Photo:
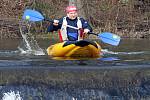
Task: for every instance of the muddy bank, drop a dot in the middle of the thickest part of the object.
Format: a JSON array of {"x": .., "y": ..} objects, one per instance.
[
  {"x": 124, "y": 18},
  {"x": 9, "y": 28}
]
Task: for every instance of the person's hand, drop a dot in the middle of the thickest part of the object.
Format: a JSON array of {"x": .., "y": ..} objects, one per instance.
[
  {"x": 56, "y": 22},
  {"x": 86, "y": 31}
]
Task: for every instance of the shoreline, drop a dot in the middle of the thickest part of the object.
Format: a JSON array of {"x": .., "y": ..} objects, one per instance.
[{"x": 10, "y": 29}]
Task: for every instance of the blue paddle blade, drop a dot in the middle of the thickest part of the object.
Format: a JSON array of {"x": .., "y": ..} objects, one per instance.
[
  {"x": 109, "y": 38},
  {"x": 32, "y": 15}
]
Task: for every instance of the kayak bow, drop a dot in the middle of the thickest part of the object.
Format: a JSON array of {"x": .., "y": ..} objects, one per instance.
[{"x": 82, "y": 48}]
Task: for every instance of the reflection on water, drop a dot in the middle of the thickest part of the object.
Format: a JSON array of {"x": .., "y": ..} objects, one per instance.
[{"x": 121, "y": 74}]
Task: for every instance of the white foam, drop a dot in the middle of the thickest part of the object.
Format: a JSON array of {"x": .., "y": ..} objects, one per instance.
[
  {"x": 106, "y": 51},
  {"x": 11, "y": 96}
]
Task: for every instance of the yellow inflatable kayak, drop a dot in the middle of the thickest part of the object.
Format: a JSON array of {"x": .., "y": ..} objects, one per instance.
[{"x": 82, "y": 48}]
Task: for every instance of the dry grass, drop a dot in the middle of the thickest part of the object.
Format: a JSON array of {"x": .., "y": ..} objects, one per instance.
[{"x": 130, "y": 18}]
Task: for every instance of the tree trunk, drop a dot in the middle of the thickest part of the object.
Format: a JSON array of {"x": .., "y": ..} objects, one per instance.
[
  {"x": 71, "y": 2},
  {"x": 80, "y": 8}
]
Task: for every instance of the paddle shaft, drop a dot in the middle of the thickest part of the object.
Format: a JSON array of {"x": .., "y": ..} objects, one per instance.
[
  {"x": 71, "y": 27},
  {"x": 62, "y": 24},
  {"x": 93, "y": 33}
]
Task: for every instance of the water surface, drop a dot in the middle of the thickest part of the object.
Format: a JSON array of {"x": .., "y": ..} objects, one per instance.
[{"x": 122, "y": 73}]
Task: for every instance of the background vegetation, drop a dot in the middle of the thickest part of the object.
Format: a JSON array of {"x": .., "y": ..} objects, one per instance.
[{"x": 127, "y": 18}]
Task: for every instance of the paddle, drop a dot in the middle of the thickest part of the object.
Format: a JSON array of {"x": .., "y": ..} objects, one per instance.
[
  {"x": 32, "y": 15},
  {"x": 106, "y": 37}
]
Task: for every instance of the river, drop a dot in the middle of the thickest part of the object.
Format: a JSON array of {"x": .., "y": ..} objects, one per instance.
[{"x": 27, "y": 73}]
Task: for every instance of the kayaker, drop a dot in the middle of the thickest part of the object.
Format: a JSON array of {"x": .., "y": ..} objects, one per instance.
[{"x": 71, "y": 27}]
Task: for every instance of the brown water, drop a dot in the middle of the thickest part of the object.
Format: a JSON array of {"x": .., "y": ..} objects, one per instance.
[{"x": 121, "y": 74}]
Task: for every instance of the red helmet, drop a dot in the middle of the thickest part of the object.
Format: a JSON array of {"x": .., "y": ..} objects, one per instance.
[{"x": 71, "y": 9}]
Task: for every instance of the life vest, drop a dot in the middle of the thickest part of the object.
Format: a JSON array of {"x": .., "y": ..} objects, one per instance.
[{"x": 63, "y": 31}]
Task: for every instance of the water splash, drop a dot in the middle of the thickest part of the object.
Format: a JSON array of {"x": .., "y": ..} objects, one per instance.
[
  {"x": 11, "y": 96},
  {"x": 106, "y": 51},
  {"x": 29, "y": 45}
]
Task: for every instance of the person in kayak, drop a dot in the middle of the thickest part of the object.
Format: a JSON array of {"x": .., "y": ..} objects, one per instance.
[{"x": 71, "y": 27}]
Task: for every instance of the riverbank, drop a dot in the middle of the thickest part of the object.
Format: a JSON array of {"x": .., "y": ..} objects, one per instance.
[
  {"x": 125, "y": 18},
  {"x": 10, "y": 28}
]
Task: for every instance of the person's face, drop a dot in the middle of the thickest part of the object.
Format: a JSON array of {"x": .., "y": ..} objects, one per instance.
[{"x": 72, "y": 15}]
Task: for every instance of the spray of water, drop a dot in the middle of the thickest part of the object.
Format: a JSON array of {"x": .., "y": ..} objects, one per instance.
[
  {"x": 29, "y": 44},
  {"x": 106, "y": 51}
]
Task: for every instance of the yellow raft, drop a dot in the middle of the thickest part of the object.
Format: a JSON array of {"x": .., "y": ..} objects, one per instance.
[{"x": 82, "y": 48}]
